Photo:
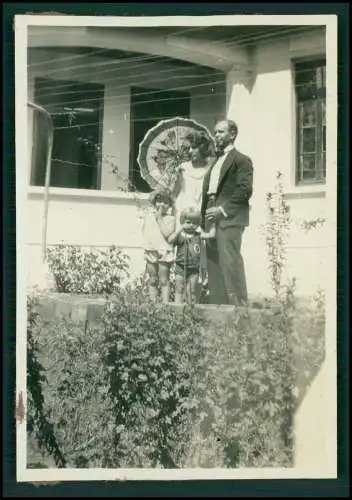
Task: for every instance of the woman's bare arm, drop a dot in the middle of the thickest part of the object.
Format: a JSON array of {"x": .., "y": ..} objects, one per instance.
[{"x": 173, "y": 237}]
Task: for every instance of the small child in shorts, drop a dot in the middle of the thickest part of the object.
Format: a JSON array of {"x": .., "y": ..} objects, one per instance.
[
  {"x": 158, "y": 225},
  {"x": 189, "y": 255}
]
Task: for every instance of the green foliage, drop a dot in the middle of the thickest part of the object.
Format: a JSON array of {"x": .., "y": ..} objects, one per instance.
[
  {"x": 277, "y": 229},
  {"x": 78, "y": 271},
  {"x": 38, "y": 421},
  {"x": 153, "y": 385},
  {"x": 150, "y": 352},
  {"x": 157, "y": 386},
  {"x": 308, "y": 225}
]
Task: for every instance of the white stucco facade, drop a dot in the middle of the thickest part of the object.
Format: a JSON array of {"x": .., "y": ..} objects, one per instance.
[{"x": 257, "y": 92}]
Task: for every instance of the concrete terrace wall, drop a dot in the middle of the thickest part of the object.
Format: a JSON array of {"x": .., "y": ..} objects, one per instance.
[{"x": 311, "y": 451}]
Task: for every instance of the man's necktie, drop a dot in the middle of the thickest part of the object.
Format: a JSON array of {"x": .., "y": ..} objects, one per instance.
[{"x": 219, "y": 153}]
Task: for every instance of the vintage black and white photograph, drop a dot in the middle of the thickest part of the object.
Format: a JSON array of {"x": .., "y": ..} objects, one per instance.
[{"x": 176, "y": 192}]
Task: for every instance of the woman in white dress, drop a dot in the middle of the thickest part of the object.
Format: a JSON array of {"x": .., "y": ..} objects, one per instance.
[{"x": 188, "y": 191}]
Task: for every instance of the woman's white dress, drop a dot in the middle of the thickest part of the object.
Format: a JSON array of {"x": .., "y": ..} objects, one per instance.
[{"x": 191, "y": 183}]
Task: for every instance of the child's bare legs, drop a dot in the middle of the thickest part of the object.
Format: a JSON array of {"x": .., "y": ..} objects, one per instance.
[
  {"x": 164, "y": 281},
  {"x": 179, "y": 288},
  {"x": 152, "y": 270},
  {"x": 192, "y": 284}
]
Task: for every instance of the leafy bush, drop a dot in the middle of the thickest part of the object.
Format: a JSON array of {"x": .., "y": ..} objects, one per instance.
[
  {"x": 75, "y": 387},
  {"x": 103, "y": 412},
  {"x": 38, "y": 420},
  {"x": 255, "y": 374},
  {"x": 277, "y": 229},
  {"x": 76, "y": 270},
  {"x": 150, "y": 351},
  {"x": 157, "y": 386}
]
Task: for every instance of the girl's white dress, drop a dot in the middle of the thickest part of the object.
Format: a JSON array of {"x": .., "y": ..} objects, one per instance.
[
  {"x": 156, "y": 248},
  {"x": 191, "y": 183}
]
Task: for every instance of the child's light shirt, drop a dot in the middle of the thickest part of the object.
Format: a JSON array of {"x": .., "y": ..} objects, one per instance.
[{"x": 153, "y": 238}]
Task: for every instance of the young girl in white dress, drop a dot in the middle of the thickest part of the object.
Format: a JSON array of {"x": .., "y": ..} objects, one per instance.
[{"x": 159, "y": 224}]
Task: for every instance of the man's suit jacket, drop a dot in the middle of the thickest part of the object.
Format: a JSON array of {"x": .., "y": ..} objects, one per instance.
[{"x": 234, "y": 189}]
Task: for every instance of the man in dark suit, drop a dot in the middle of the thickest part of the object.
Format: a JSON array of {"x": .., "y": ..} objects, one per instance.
[{"x": 227, "y": 189}]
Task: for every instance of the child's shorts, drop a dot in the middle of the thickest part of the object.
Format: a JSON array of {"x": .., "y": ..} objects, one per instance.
[
  {"x": 155, "y": 257},
  {"x": 189, "y": 271}
]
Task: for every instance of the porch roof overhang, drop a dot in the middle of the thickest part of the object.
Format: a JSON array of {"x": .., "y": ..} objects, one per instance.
[{"x": 200, "y": 52}]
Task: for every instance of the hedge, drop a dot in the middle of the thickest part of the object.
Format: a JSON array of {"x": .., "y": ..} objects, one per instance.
[{"x": 157, "y": 386}]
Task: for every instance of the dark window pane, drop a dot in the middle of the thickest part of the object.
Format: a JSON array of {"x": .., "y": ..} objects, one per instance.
[
  {"x": 308, "y": 167},
  {"x": 304, "y": 76},
  {"x": 306, "y": 92},
  {"x": 76, "y": 109},
  {"x": 323, "y": 112},
  {"x": 40, "y": 141},
  {"x": 310, "y": 80},
  {"x": 308, "y": 114},
  {"x": 321, "y": 93},
  {"x": 324, "y": 164},
  {"x": 324, "y": 76},
  {"x": 324, "y": 138},
  {"x": 308, "y": 140}
]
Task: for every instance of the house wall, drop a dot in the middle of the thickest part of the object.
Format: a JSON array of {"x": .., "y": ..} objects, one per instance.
[
  {"x": 260, "y": 99},
  {"x": 262, "y": 102},
  {"x": 207, "y": 96},
  {"x": 89, "y": 219},
  {"x": 97, "y": 219}
]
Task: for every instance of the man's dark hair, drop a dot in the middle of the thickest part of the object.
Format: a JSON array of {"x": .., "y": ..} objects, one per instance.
[{"x": 233, "y": 128}]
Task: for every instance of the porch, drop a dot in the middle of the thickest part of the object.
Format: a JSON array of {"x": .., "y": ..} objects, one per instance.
[{"x": 116, "y": 83}]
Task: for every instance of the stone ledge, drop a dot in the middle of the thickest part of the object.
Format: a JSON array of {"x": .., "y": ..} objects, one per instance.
[{"x": 81, "y": 308}]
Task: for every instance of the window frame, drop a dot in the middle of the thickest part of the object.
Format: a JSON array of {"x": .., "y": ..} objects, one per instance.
[
  {"x": 100, "y": 125},
  {"x": 317, "y": 62}
]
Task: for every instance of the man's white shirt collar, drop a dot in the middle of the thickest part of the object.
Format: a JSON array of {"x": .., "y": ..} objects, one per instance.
[
  {"x": 215, "y": 172},
  {"x": 229, "y": 148}
]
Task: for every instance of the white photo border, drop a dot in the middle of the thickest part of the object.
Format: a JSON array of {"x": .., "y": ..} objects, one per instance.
[{"x": 57, "y": 475}]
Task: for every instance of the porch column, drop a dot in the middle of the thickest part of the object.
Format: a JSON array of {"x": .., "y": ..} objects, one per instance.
[{"x": 239, "y": 106}]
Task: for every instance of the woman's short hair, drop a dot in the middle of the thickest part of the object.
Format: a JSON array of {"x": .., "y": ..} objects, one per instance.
[
  {"x": 161, "y": 195},
  {"x": 202, "y": 141},
  {"x": 192, "y": 214}
]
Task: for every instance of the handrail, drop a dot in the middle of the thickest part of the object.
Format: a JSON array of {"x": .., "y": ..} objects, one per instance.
[{"x": 42, "y": 110}]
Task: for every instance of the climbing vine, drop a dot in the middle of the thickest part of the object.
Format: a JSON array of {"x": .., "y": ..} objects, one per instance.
[{"x": 277, "y": 228}]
